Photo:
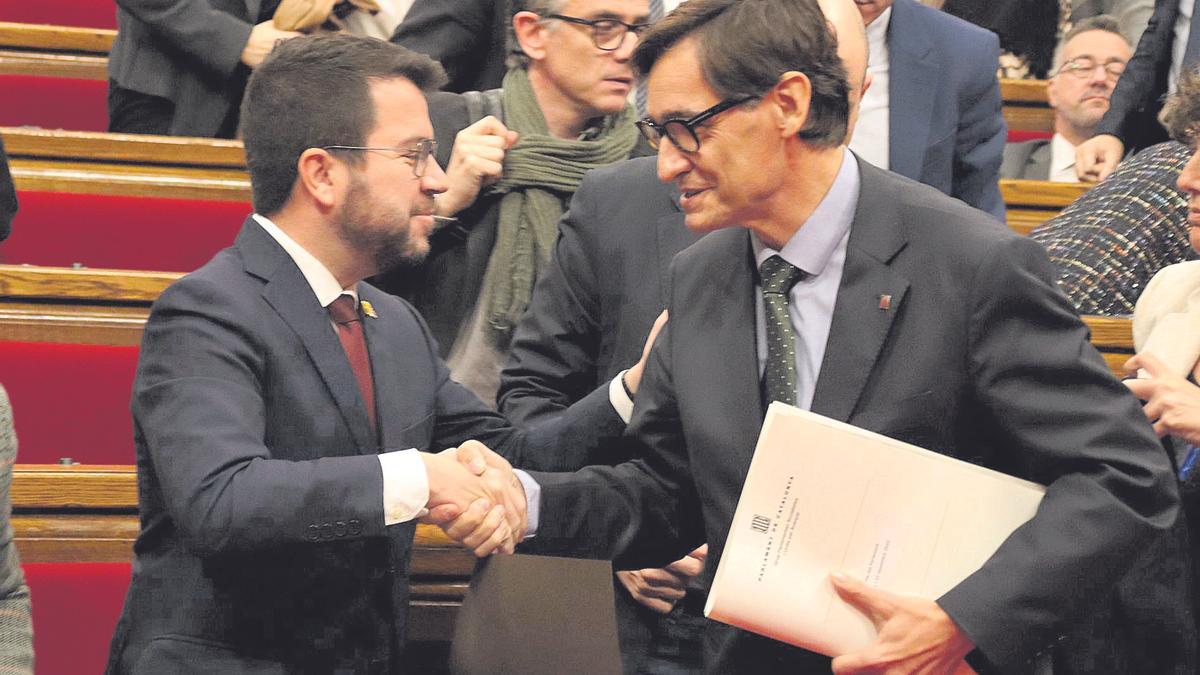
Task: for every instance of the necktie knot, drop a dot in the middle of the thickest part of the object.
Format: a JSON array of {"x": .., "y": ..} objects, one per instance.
[
  {"x": 344, "y": 309},
  {"x": 778, "y": 275}
]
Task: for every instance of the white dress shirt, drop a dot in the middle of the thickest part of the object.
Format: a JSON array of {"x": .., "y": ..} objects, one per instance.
[
  {"x": 1062, "y": 160},
  {"x": 871, "y": 136},
  {"x": 1183, "y": 29},
  {"x": 405, "y": 482}
]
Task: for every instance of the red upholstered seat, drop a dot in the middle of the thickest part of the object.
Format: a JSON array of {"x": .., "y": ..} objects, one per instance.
[
  {"x": 53, "y": 102},
  {"x": 75, "y": 609},
  {"x": 70, "y": 400},
  {"x": 82, "y": 13},
  {"x": 1019, "y": 136},
  {"x": 141, "y": 233}
]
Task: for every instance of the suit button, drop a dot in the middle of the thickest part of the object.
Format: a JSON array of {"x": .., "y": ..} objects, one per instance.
[
  {"x": 355, "y": 527},
  {"x": 314, "y": 532},
  {"x": 339, "y": 528},
  {"x": 327, "y": 531}
]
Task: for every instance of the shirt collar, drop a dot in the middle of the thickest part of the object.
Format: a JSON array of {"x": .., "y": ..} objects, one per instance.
[
  {"x": 877, "y": 33},
  {"x": 814, "y": 243},
  {"x": 324, "y": 285},
  {"x": 1062, "y": 154}
]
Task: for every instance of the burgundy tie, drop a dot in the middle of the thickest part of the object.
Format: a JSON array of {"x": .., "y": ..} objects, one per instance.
[{"x": 350, "y": 331}]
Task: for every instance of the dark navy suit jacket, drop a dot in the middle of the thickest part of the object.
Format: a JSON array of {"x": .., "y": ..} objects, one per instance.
[
  {"x": 945, "y": 123},
  {"x": 263, "y": 547}
]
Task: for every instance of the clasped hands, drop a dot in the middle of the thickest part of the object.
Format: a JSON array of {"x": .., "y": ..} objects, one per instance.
[{"x": 475, "y": 498}]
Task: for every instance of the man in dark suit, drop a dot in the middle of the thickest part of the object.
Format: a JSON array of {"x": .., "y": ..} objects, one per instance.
[
  {"x": 911, "y": 316},
  {"x": 1131, "y": 123},
  {"x": 468, "y": 37},
  {"x": 1087, "y": 66},
  {"x": 285, "y": 411},
  {"x": 933, "y": 112},
  {"x": 179, "y": 67},
  {"x": 8, "y": 195},
  {"x": 513, "y": 158}
]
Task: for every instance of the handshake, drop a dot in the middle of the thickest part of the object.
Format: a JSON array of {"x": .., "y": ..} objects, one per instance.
[{"x": 475, "y": 498}]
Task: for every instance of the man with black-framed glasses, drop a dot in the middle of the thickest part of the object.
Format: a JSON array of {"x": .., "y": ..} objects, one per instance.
[
  {"x": 825, "y": 282},
  {"x": 1088, "y": 62}
]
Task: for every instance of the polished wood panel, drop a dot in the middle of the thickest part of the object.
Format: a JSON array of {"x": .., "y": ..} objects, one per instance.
[
  {"x": 1041, "y": 193},
  {"x": 127, "y": 287},
  {"x": 45, "y": 37},
  {"x": 55, "y": 486},
  {"x": 127, "y": 148},
  {"x": 138, "y": 180},
  {"x": 72, "y": 323},
  {"x": 84, "y": 67},
  {"x": 1112, "y": 332},
  {"x": 1025, "y": 106}
]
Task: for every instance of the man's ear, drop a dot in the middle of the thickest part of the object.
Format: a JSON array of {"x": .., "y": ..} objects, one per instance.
[
  {"x": 531, "y": 34},
  {"x": 319, "y": 176},
  {"x": 792, "y": 96},
  {"x": 1051, "y": 92}
]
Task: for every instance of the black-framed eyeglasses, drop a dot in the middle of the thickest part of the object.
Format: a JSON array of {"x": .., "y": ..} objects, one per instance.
[
  {"x": 419, "y": 153},
  {"x": 607, "y": 34},
  {"x": 682, "y": 132},
  {"x": 1083, "y": 67}
]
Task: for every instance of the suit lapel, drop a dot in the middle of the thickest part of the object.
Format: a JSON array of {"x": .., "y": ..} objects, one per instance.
[
  {"x": 860, "y": 327},
  {"x": 671, "y": 237},
  {"x": 1039, "y": 162},
  {"x": 726, "y": 335},
  {"x": 912, "y": 84},
  {"x": 289, "y": 294}
]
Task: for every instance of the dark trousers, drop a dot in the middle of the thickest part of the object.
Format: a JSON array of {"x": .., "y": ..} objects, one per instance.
[{"x": 132, "y": 112}]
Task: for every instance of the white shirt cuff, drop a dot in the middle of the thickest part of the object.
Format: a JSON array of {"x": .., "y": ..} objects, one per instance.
[
  {"x": 619, "y": 399},
  {"x": 405, "y": 486},
  {"x": 533, "y": 502}
]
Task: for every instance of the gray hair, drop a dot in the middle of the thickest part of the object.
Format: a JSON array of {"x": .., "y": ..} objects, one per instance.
[
  {"x": 517, "y": 58},
  {"x": 1102, "y": 22}
]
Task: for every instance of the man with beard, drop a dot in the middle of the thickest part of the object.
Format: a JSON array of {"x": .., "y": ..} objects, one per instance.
[
  {"x": 284, "y": 410},
  {"x": 1087, "y": 66}
]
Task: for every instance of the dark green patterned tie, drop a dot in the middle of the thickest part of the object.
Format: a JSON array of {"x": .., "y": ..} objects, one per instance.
[{"x": 779, "y": 377}]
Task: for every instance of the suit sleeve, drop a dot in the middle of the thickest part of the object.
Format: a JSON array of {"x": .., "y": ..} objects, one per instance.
[
  {"x": 1135, "y": 89},
  {"x": 453, "y": 32},
  {"x": 553, "y": 355},
  {"x": 979, "y": 142},
  {"x": 212, "y": 40},
  {"x": 1069, "y": 424},
  {"x": 8, "y": 196},
  {"x": 199, "y": 410},
  {"x": 586, "y": 432},
  {"x": 642, "y": 513}
]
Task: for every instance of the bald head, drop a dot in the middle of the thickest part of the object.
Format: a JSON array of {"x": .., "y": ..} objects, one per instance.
[{"x": 851, "y": 35}]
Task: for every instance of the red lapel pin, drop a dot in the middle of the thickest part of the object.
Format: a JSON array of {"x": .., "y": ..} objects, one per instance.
[{"x": 885, "y": 302}]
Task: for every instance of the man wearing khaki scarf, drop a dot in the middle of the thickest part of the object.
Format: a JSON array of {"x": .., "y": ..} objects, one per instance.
[{"x": 514, "y": 157}]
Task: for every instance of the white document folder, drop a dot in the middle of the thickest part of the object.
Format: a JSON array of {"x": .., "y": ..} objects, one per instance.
[{"x": 822, "y": 496}]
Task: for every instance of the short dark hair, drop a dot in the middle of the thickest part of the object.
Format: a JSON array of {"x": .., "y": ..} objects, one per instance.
[
  {"x": 314, "y": 91},
  {"x": 1181, "y": 113},
  {"x": 746, "y": 45}
]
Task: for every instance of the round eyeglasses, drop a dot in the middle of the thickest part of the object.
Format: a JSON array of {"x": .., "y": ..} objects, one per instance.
[
  {"x": 682, "y": 132},
  {"x": 1083, "y": 67},
  {"x": 607, "y": 34},
  {"x": 419, "y": 154}
]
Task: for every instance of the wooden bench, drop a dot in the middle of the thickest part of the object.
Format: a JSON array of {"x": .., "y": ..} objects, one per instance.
[
  {"x": 1025, "y": 106},
  {"x": 1032, "y": 202},
  {"x": 75, "y": 527},
  {"x": 197, "y": 168}
]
